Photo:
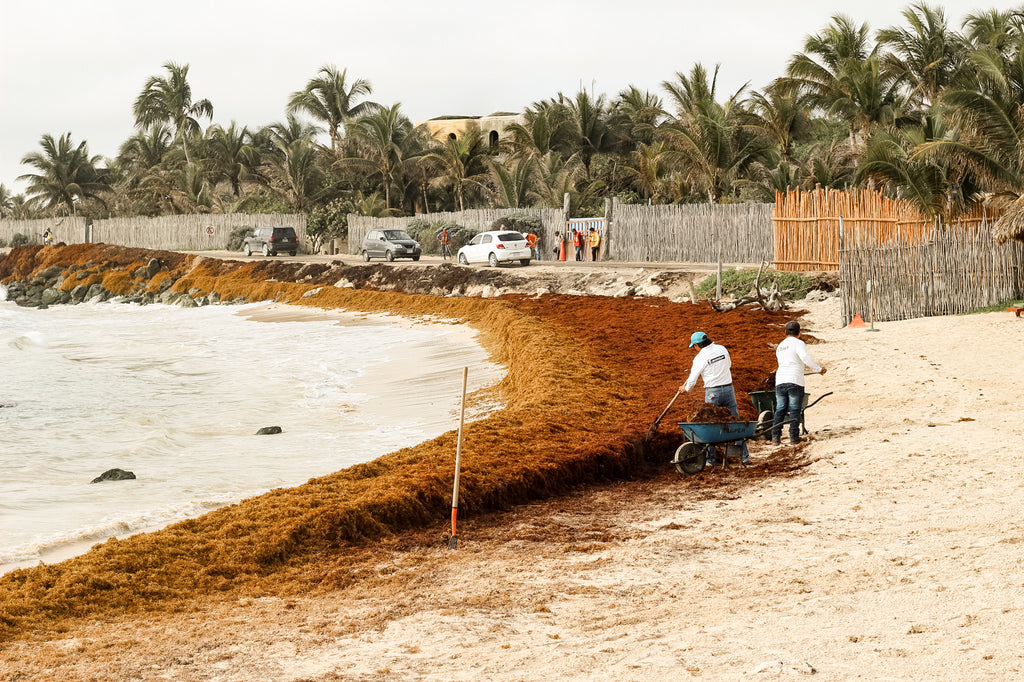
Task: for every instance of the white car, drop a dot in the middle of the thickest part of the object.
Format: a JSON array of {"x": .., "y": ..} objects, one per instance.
[{"x": 497, "y": 246}]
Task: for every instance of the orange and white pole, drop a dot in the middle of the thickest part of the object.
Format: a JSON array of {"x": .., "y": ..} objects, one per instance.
[{"x": 453, "y": 541}]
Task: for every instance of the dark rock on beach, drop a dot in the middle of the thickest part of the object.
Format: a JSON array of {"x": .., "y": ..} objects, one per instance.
[
  {"x": 114, "y": 475},
  {"x": 268, "y": 430}
]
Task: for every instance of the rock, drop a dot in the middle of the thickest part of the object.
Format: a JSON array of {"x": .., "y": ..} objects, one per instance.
[
  {"x": 186, "y": 302},
  {"x": 816, "y": 295},
  {"x": 79, "y": 293},
  {"x": 114, "y": 475},
  {"x": 213, "y": 298},
  {"x": 154, "y": 266},
  {"x": 269, "y": 431},
  {"x": 312, "y": 292},
  {"x": 50, "y": 296}
]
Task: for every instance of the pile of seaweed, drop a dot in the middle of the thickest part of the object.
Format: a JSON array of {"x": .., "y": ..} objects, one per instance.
[{"x": 586, "y": 378}]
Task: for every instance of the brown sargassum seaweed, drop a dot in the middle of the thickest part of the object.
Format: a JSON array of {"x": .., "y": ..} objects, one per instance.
[{"x": 586, "y": 378}]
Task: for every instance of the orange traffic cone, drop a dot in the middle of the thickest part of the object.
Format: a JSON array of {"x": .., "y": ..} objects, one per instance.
[{"x": 856, "y": 322}]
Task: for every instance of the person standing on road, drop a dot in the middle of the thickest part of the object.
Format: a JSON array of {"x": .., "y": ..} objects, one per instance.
[
  {"x": 532, "y": 241},
  {"x": 714, "y": 366},
  {"x": 595, "y": 243},
  {"x": 443, "y": 237},
  {"x": 577, "y": 241},
  {"x": 789, "y": 382}
]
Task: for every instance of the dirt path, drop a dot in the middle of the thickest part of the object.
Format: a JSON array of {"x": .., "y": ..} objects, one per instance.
[{"x": 887, "y": 548}]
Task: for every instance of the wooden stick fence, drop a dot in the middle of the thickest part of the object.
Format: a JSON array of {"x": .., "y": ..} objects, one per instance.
[
  {"x": 811, "y": 228},
  {"x": 955, "y": 271}
]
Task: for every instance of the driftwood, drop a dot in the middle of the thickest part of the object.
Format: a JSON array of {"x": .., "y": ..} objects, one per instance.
[{"x": 772, "y": 299}]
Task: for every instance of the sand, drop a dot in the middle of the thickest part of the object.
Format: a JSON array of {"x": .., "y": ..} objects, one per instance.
[{"x": 892, "y": 550}]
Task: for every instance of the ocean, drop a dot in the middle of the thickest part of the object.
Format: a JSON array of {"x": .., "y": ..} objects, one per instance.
[{"x": 176, "y": 397}]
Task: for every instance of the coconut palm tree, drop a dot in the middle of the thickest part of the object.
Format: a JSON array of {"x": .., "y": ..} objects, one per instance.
[
  {"x": 329, "y": 99},
  {"x": 6, "y": 201},
  {"x": 381, "y": 141},
  {"x": 169, "y": 100},
  {"x": 459, "y": 163},
  {"x": 640, "y": 112},
  {"x": 592, "y": 128},
  {"x": 647, "y": 169},
  {"x": 841, "y": 74},
  {"x": 67, "y": 174},
  {"x": 513, "y": 182},
  {"x": 293, "y": 173},
  {"x": 546, "y": 127},
  {"x": 780, "y": 115},
  {"x": 925, "y": 56},
  {"x": 707, "y": 140},
  {"x": 231, "y": 157}
]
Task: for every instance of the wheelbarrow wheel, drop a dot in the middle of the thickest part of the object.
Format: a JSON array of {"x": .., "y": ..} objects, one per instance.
[
  {"x": 689, "y": 458},
  {"x": 765, "y": 421}
]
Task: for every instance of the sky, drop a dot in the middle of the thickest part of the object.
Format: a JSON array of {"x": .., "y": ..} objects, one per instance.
[{"x": 72, "y": 66}]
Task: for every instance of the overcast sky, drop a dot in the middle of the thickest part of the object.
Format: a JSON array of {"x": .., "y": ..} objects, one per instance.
[{"x": 78, "y": 66}]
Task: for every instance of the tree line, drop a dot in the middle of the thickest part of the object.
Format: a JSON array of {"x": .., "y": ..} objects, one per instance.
[{"x": 923, "y": 110}]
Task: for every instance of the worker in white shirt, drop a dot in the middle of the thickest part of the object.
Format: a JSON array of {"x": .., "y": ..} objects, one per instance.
[
  {"x": 789, "y": 382},
  {"x": 713, "y": 365}
]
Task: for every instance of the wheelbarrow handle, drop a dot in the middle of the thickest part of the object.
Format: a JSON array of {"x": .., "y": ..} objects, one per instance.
[{"x": 770, "y": 426}]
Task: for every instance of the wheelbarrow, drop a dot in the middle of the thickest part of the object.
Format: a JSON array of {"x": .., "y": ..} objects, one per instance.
[{"x": 730, "y": 436}]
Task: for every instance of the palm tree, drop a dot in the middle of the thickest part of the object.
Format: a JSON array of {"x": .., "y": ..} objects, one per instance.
[
  {"x": 294, "y": 174},
  {"x": 169, "y": 100},
  {"x": 546, "y": 127},
  {"x": 513, "y": 182},
  {"x": 459, "y": 163},
  {"x": 842, "y": 76},
  {"x": 6, "y": 201},
  {"x": 330, "y": 100},
  {"x": 707, "y": 140},
  {"x": 780, "y": 115},
  {"x": 927, "y": 56},
  {"x": 641, "y": 113},
  {"x": 231, "y": 157},
  {"x": 380, "y": 142},
  {"x": 67, "y": 174},
  {"x": 592, "y": 127},
  {"x": 647, "y": 170}
]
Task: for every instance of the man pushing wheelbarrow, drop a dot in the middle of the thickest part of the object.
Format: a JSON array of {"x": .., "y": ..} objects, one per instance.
[{"x": 713, "y": 365}]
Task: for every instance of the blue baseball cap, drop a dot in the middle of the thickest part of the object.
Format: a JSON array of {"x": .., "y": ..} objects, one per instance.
[{"x": 697, "y": 337}]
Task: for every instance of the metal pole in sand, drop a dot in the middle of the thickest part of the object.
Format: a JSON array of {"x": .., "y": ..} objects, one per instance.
[
  {"x": 871, "y": 309},
  {"x": 453, "y": 541}
]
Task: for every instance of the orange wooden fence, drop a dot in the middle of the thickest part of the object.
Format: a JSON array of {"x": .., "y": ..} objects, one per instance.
[{"x": 811, "y": 227}]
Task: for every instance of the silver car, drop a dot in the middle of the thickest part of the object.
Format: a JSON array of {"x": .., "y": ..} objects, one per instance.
[
  {"x": 390, "y": 244},
  {"x": 496, "y": 246}
]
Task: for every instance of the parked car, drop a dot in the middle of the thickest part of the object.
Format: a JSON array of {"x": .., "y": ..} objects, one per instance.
[
  {"x": 271, "y": 241},
  {"x": 496, "y": 246},
  {"x": 390, "y": 244}
]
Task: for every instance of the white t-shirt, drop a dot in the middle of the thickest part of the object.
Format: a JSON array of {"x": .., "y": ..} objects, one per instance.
[
  {"x": 793, "y": 357},
  {"x": 712, "y": 363}
]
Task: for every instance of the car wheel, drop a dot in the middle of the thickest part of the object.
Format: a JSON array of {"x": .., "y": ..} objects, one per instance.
[
  {"x": 462, "y": 259},
  {"x": 389, "y": 257},
  {"x": 266, "y": 250},
  {"x": 248, "y": 251},
  {"x": 415, "y": 257},
  {"x": 291, "y": 253},
  {"x": 492, "y": 260},
  {"x": 525, "y": 261},
  {"x": 366, "y": 256}
]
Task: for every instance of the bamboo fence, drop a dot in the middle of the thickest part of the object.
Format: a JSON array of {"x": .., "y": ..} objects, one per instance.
[
  {"x": 956, "y": 270},
  {"x": 478, "y": 220},
  {"x": 196, "y": 232},
  {"x": 698, "y": 233},
  {"x": 65, "y": 229},
  {"x": 812, "y": 227}
]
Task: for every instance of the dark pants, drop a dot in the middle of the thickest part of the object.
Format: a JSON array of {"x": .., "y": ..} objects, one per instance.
[
  {"x": 593, "y": 252},
  {"x": 789, "y": 399},
  {"x": 579, "y": 253}
]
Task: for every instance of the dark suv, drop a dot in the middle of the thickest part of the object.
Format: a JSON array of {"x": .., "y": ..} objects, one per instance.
[{"x": 271, "y": 240}]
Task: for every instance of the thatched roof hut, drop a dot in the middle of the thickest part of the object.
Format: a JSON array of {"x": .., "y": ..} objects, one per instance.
[{"x": 1010, "y": 225}]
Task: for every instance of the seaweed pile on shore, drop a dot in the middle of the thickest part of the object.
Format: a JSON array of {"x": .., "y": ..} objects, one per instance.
[{"x": 586, "y": 376}]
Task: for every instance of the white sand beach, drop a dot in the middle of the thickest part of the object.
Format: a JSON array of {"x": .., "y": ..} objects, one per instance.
[{"x": 893, "y": 555}]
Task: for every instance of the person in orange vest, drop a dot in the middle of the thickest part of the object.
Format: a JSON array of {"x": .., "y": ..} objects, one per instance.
[
  {"x": 595, "y": 243},
  {"x": 443, "y": 237},
  {"x": 577, "y": 241},
  {"x": 531, "y": 241}
]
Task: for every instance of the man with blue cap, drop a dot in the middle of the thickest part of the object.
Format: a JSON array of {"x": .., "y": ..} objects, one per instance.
[{"x": 713, "y": 364}]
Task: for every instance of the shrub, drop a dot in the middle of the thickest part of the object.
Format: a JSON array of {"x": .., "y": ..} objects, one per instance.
[
  {"x": 237, "y": 236},
  {"x": 741, "y": 282},
  {"x": 420, "y": 230},
  {"x": 520, "y": 222},
  {"x": 3, "y": 243},
  {"x": 19, "y": 239}
]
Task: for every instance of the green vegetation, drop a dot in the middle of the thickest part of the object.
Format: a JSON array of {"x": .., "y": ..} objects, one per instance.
[
  {"x": 741, "y": 282},
  {"x": 927, "y": 109},
  {"x": 998, "y": 307}
]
